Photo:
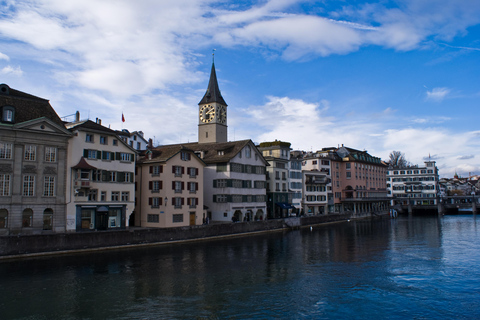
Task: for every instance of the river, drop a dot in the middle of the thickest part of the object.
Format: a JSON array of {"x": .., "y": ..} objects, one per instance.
[{"x": 406, "y": 268}]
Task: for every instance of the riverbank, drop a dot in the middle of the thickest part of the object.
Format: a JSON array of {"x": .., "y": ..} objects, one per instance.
[{"x": 36, "y": 245}]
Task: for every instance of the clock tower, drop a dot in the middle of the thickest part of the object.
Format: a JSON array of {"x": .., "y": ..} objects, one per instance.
[{"x": 212, "y": 117}]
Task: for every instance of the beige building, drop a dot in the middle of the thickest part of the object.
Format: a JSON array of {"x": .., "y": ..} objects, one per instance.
[
  {"x": 169, "y": 188},
  {"x": 33, "y": 152},
  {"x": 100, "y": 178}
]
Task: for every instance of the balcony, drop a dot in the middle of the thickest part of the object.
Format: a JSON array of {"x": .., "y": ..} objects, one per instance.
[{"x": 82, "y": 184}]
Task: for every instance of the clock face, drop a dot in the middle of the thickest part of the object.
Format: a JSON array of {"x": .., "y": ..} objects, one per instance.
[
  {"x": 222, "y": 114},
  {"x": 207, "y": 113}
]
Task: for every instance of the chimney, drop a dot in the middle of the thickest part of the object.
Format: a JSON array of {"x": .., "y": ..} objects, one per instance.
[
  {"x": 150, "y": 143},
  {"x": 77, "y": 116},
  {"x": 100, "y": 121}
]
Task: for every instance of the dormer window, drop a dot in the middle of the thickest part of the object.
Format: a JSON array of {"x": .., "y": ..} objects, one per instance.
[{"x": 8, "y": 114}]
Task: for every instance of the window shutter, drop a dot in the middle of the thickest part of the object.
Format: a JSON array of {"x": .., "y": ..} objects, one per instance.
[
  {"x": 214, "y": 183},
  {"x": 214, "y": 198},
  {"x": 121, "y": 176},
  {"x": 183, "y": 170},
  {"x": 173, "y": 169},
  {"x": 173, "y": 185},
  {"x": 104, "y": 175},
  {"x": 118, "y": 156},
  {"x": 183, "y": 201},
  {"x": 188, "y": 186},
  {"x": 112, "y": 155},
  {"x": 196, "y": 171},
  {"x": 189, "y": 156},
  {"x": 161, "y": 169},
  {"x": 160, "y": 201},
  {"x": 99, "y": 154},
  {"x": 196, "y": 185},
  {"x": 189, "y": 201},
  {"x": 229, "y": 183},
  {"x": 85, "y": 153},
  {"x": 161, "y": 185},
  {"x": 150, "y": 201},
  {"x": 150, "y": 185},
  {"x": 173, "y": 201},
  {"x": 196, "y": 201},
  {"x": 183, "y": 185},
  {"x": 150, "y": 170},
  {"x": 131, "y": 176},
  {"x": 132, "y": 157}
]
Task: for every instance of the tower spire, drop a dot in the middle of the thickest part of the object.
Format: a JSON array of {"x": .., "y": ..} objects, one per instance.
[{"x": 213, "y": 92}]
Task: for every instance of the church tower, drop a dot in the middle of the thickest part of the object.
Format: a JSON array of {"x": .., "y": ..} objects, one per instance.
[{"x": 212, "y": 118}]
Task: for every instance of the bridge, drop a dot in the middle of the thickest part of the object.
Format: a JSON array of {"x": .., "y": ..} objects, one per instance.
[{"x": 440, "y": 205}]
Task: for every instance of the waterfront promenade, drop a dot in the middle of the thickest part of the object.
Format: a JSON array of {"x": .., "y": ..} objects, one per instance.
[{"x": 29, "y": 245}]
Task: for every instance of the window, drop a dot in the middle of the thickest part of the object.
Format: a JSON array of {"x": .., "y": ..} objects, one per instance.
[
  {"x": 125, "y": 157},
  {"x": 221, "y": 167},
  {"x": 5, "y": 151},
  {"x": 154, "y": 202},
  {"x": 155, "y": 186},
  {"x": 30, "y": 152},
  {"x": 348, "y": 165},
  {"x": 8, "y": 114},
  {"x": 113, "y": 176},
  {"x": 177, "y": 218},
  {"x": 178, "y": 186},
  {"x": 115, "y": 142},
  {"x": 248, "y": 152},
  {"x": 28, "y": 186},
  {"x": 192, "y": 202},
  {"x": 91, "y": 154},
  {"x": 106, "y": 155},
  {"x": 3, "y": 218},
  {"x": 47, "y": 219},
  {"x": 185, "y": 156},
  {"x": 349, "y": 174},
  {"x": 115, "y": 195},
  {"x": 125, "y": 196},
  {"x": 193, "y": 187},
  {"x": 27, "y": 218},
  {"x": 92, "y": 195},
  {"x": 177, "y": 170},
  {"x": 4, "y": 184},
  {"x": 220, "y": 198},
  {"x": 138, "y": 146},
  {"x": 88, "y": 219},
  {"x": 50, "y": 154},
  {"x": 178, "y": 202},
  {"x": 153, "y": 218},
  {"x": 192, "y": 172},
  {"x": 49, "y": 187},
  {"x": 89, "y": 137},
  {"x": 103, "y": 140},
  {"x": 103, "y": 196}
]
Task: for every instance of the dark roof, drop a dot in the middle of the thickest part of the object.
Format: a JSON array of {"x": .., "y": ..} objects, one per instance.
[
  {"x": 213, "y": 92},
  {"x": 83, "y": 164},
  {"x": 163, "y": 153},
  {"x": 90, "y": 125},
  {"x": 27, "y": 107}
]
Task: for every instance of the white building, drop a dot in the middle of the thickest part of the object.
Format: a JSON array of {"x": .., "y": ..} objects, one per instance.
[
  {"x": 417, "y": 185},
  {"x": 100, "y": 178},
  {"x": 295, "y": 179},
  {"x": 317, "y": 185}
]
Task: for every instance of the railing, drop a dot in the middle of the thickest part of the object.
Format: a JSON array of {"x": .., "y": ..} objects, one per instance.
[{"x": 82, "y": 184}]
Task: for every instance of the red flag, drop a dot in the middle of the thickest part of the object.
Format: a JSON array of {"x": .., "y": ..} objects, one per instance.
[{"x": 123, "y": 118}]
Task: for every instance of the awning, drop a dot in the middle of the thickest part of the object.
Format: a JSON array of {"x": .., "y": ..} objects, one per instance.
[
  {"x": 285, "y": 205},
  {"x": 83, "y": 164}
]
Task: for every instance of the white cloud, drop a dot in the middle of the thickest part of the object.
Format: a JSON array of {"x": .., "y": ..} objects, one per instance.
[
  {"x": 437, "y": 94},
  {"x": 4, "y": 57},
  {"x": 16, "y": 71}
]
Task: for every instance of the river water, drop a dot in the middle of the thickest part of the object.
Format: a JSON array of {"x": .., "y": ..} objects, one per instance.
[{"x": 407, "y": 268}]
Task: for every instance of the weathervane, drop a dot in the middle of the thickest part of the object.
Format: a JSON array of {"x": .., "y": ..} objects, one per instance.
[{"x": 213, "y": 55}]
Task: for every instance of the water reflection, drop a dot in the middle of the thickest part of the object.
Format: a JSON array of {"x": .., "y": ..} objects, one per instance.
[{"x": 403, "y": 268}]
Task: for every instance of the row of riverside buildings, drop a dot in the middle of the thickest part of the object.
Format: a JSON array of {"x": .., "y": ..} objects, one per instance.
[{"x": 58, "y": 176}]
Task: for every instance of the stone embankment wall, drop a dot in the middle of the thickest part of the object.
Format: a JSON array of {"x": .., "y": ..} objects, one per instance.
[{"x": 51, "y": 243}]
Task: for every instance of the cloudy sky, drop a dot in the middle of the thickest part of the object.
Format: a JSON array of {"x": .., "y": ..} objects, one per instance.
[{"x": 372, "y": 75}]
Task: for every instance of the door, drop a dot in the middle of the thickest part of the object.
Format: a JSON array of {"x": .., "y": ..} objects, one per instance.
[{"x": 192, "y": 218}]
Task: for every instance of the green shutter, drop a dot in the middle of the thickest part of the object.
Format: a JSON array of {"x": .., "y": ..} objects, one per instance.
[
  {"x": 118, "y": 156},
  {"x": 85, "y": 153},
  {"x": 214, "y": 185},
  {"x": 229, "y": 183},
  {"x": 214, "y": 198},
  {"x": 121, "y": 176},
  {"x": 99, "y": 154}
]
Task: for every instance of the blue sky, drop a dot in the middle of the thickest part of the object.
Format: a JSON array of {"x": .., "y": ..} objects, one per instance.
[{"x": 372, "y": 75}]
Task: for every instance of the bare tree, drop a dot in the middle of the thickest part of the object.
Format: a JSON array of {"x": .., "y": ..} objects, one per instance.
[{"x": 397, "y": 160}]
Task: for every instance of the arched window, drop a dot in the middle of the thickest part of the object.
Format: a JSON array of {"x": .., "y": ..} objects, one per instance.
[
  {"x": 27, "y": 218},
  {"x": 3, "y": 218},
  {"x": 48, "y": 219}
]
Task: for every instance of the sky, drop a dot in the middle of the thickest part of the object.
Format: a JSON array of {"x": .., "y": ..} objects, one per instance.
[{"x": 371, "y": 75}]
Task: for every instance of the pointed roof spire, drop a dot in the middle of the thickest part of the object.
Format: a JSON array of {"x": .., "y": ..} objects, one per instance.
[{"x": 213, "y": 92}]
